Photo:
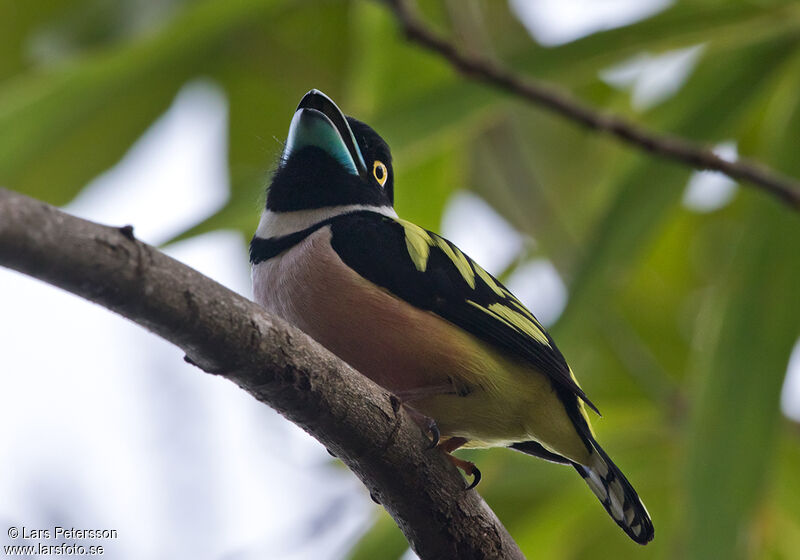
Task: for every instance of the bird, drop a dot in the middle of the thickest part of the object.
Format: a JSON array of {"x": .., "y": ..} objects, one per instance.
[{"x": 408, "y": 309}]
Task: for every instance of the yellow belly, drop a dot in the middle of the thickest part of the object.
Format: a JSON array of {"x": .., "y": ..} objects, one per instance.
[{"x": 404, "y": 348}]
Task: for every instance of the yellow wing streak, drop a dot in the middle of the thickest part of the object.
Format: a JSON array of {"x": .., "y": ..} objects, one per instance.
[
  {"x": 492, "y": 314},
  {"x": 512, "y": 319},
  {"x": 581, "y": 406},
  {"x": 459, "y": 260},
  {"x": 524, "y": 310},
  {"x": 521, "y": 322},
  {"x": 418, "y": 243},
  {"x": 488, "y": 280},
  {"x": 492, "y": 284}
]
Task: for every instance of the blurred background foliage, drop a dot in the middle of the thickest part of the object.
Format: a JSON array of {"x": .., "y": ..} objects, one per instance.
[{"x": 680, "y": 320}]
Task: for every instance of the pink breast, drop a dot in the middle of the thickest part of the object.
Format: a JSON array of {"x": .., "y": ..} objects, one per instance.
[{"x": 393, "y": 343}]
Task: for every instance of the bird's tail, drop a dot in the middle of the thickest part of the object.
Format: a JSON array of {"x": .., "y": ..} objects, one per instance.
[{"x": 617, "y": 495}]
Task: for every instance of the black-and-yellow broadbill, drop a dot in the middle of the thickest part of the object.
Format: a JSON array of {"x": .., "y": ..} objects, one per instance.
[{"x": 411, "y": 311}]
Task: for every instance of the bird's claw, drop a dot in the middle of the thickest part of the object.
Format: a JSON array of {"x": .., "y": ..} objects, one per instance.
[
  {"x": 476, "y": 477},
  {"x": 427, "y": 423},
  {"x": 468, "y": 467},
  {"x": 435, "y": 434}
]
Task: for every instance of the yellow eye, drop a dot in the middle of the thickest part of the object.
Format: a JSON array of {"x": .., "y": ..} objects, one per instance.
[{"x": 380, "y": 172}]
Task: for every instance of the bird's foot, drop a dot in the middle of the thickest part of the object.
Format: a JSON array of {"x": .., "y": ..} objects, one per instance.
[
  {"x": 469, "y": 468},
  {"x": 426, "y": 423}
]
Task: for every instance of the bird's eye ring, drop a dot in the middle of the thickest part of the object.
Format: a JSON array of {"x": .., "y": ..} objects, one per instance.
[{"x": 380, "y": 172}]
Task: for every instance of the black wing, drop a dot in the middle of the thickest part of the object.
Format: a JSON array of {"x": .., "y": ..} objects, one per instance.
[{"x": 431, "y": 273}]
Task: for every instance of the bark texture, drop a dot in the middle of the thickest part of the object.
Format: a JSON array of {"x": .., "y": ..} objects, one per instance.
[{"x": 228, "y": 335}]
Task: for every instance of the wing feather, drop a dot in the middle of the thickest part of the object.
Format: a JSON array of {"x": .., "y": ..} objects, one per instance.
[{"x": 431, "y": 273}]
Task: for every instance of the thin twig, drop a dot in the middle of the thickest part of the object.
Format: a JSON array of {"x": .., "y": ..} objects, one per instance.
[{"x": 675, "y": 148}]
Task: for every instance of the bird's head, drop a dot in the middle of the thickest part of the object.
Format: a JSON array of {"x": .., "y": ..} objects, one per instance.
[{"x": 330, "y": 160}]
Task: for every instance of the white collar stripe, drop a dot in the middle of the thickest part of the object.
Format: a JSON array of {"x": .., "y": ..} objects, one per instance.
[{"x": 278, "y": 224}]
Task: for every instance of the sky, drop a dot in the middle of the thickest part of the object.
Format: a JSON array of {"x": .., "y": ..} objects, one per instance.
[{"x": 103, "y": 425}]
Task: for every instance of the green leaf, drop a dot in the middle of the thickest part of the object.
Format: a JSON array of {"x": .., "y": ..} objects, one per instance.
[
  {"x": 723, "y": 27},
  {"x": 18, "y": 22},
  {"x": 746, "y": 332},
  {"x": 72, "y": 121}
]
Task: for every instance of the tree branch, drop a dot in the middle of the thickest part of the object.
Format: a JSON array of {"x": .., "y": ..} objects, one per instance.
[
  {"x": 228, "y": 335},
  {"x": 786, "y": 189}
]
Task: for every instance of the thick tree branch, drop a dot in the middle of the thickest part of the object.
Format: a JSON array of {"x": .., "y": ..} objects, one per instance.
[
  {"x": 225, "y": 334},
  {"x": 786, "y": 189}
]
